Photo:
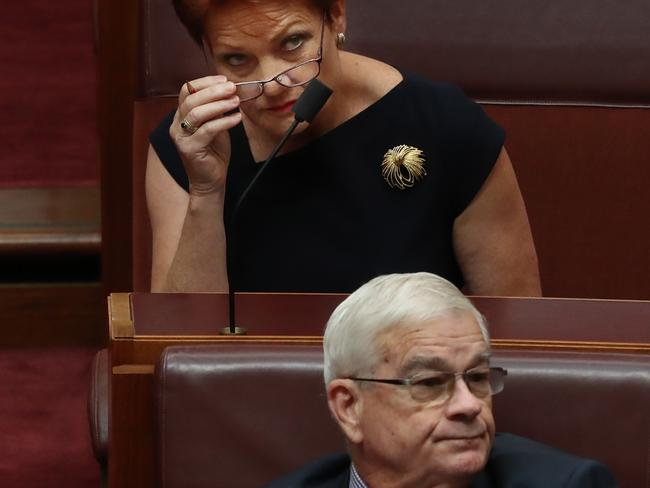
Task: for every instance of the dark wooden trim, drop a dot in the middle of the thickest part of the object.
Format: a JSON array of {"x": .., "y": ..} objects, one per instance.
[
  {"x": 52, "y": 315},
  {"x": 52, "y": 241},
  {"x": 117, "y": 35},
  {"x": 131, "y": 454}
]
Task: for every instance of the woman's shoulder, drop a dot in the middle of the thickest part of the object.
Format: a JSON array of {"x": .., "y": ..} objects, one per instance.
[
  {"x": 443, "y": 95},
  {"x": 444, "y": 105},
  {"x": 164, "y": 146},
  {"x": 379, "y": 79}
]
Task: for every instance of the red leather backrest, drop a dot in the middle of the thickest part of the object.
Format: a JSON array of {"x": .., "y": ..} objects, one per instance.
[
  {"x": 584, "y": 51},
  {"x": 241, "y": 415}
]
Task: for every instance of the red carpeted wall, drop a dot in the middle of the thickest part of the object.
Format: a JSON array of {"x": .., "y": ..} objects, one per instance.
[{"x": 47, "y": 94}]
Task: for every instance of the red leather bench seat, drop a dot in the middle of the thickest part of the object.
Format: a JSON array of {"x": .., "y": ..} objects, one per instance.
[{"x": 241, "y": 415}]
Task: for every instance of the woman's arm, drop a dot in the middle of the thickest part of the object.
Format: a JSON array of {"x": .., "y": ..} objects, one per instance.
[
  {"x": 189, "y": 239},
  {"x": 189, "y": 242},
  {"x": 493, "y": 241}
]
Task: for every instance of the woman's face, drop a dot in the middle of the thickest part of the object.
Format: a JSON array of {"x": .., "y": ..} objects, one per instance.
[{"x": 257, "y": 41}]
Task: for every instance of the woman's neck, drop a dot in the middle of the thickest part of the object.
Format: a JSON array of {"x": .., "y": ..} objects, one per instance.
[{"x": 361, "y": 82}]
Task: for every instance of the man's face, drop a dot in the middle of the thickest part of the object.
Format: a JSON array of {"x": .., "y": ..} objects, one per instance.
[{"x": 422, "y": 442}]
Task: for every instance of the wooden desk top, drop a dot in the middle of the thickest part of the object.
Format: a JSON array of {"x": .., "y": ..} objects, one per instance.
[{"x": 271, "y": 317}]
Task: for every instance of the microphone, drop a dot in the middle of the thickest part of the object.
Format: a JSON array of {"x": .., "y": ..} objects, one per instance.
[{"x": 309, "y": 103}]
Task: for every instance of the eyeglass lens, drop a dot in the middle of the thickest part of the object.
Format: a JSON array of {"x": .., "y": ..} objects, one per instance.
[
  {"x": 295, "y": 76},
  {"x": 439, "y": 387}
]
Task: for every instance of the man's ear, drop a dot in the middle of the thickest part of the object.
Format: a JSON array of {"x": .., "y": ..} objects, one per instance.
[
  {"x": 346, "y": 405},
  {"x": 337, "y": 14}
]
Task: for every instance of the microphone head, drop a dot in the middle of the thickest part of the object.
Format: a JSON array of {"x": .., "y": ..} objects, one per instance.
[{"x": 311, "y": 101}]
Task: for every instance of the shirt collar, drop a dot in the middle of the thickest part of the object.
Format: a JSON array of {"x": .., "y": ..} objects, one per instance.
[
  {"x": 355, "y": 479},
  {"x": 481, "y": 481}
]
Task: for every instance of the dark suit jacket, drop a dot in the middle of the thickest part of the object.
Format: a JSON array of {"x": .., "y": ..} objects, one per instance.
[{"x": 514, "y": 462}]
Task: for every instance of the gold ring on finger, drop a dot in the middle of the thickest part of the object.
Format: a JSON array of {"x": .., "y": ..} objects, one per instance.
[{"x": 188, "y": 127}]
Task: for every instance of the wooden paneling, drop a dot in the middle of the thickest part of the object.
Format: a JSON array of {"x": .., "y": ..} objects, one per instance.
[
  {"x": 583, "y": 172},
  {"x": 135, "y": 421},
  {"x": 52, "y": 315}
]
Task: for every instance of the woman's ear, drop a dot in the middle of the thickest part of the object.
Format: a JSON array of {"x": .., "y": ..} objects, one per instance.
[
  {"x": 346, "y": 404},
  {"x": 337, "y": 16}
]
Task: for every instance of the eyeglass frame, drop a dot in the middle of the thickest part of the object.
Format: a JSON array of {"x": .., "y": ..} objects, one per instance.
[
  {"x": 449, "y": 384},
  {"x": 318, "y": 59}
]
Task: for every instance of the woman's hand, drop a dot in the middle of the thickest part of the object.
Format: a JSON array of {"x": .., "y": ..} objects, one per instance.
[{"x": 204, "y": 145}]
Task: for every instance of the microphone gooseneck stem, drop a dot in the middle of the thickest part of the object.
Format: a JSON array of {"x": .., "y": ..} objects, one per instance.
[
  {"x": 310, "y": 102},
  {"x": 273, "y": 154},
  {"x": 230, "y": 251}
]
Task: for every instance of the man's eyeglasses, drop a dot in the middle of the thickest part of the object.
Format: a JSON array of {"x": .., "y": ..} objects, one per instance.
[
  {"x": 297, "y": 75},
  {"x": 437, "y": 388}
]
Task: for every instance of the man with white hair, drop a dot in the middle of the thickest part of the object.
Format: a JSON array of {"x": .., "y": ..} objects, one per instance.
[{"x": 409, "y": 382}]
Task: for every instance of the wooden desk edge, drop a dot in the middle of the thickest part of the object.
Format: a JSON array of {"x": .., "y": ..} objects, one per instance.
[
  {"x": 134, "y": 369},
  {"x": 120, "y": 316}
]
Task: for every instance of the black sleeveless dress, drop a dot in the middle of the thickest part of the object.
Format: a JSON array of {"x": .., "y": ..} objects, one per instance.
[{"x": 323, "y": 218}]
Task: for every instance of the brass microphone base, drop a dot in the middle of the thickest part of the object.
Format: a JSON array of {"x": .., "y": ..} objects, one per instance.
[{"x": 236, "y": 331}]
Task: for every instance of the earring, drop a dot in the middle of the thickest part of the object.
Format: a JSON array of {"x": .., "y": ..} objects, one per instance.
[{"x": 340, "y": 40}]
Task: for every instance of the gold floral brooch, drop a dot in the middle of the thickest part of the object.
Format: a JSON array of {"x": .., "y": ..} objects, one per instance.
[{"x": 403, "y": 166}]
